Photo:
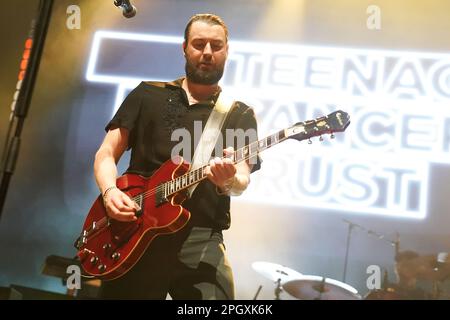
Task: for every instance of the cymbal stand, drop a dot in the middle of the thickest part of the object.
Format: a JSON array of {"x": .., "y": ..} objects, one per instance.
[
  {"x": 257, "y": 292},
  {"x": 278, "y": 289},
  {"x": 320, "y": 288},
  {"x": 436, "y": 290}
]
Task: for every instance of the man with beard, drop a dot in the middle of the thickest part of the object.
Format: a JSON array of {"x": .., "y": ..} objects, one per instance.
[{"x": 191, "y": 263}]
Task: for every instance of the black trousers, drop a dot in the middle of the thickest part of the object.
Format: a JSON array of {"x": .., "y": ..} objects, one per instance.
[{"x": 190, "y": 264}]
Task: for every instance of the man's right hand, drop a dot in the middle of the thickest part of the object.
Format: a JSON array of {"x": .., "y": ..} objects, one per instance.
[{"x": 120, "y": 207}]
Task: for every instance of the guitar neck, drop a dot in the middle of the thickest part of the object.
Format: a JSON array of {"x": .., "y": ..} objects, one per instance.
[
  {"x": 336, "y": 121},
  {"x": 248, "y": 152}
]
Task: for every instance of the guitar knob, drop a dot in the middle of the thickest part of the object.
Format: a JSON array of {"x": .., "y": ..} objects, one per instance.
[
  {"x": 115, "y": 256},
  {"x": 101, "y": 268},
  {"x": 106, "y": 246},
  {"x": 94, "y": 260},
  {"x": 82, "y": 255},
  {"x": 87, "y": 251}
]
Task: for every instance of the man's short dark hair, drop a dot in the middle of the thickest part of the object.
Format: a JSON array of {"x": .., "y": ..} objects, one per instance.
[{"x": 209, "y": 18}]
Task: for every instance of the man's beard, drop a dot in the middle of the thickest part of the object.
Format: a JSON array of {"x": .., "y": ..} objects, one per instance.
[{"x": 198, "y": 76}]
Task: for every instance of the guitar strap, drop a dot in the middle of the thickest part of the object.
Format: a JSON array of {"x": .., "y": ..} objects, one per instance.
[{"x": 210, "y": 134}]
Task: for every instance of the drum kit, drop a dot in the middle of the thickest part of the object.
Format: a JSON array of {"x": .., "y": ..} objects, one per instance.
[
  {"x": 431, "y": 268},
  {"x": 410, "y": 268}
]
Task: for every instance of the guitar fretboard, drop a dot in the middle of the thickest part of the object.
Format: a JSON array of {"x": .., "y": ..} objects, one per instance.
[{"x": 248, "y": 152}]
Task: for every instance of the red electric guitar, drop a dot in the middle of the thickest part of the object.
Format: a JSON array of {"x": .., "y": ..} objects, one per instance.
[{"x": 108, "y": 248}]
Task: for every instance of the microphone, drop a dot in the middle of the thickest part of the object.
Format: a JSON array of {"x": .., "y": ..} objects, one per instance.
[{"x": 128, "y": 10}]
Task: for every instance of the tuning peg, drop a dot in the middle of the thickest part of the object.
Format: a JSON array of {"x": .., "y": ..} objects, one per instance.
[
  {"x": 309, "y": 141},
  {"x": 320, "y": 138},
  {"x": 332, "y": 135}
]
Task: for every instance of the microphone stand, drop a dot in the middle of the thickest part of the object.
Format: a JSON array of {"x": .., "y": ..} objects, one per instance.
[
  {"x": 379, "y": 236},
  {"x": 351, "y": 225},
  {"x": 12, "y": 144}
]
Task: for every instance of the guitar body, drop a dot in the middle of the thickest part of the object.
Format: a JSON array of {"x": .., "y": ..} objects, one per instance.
[{"x": 109, "y": 248}]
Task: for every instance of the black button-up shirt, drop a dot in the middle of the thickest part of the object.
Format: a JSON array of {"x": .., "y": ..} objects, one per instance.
[{"x": 151, "y": 112}]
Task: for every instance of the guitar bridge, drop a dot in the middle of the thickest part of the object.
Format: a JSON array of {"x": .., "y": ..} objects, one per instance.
[{"x": 81, "y": 240}]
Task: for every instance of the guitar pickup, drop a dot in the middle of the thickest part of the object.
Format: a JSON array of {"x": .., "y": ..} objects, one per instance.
[{"x": 160, "y": 196}]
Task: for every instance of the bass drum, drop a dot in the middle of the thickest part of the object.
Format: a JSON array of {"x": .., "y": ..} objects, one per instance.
[
  {"x": 393, "y": 293},
  {"x": 384, "y": 294}
]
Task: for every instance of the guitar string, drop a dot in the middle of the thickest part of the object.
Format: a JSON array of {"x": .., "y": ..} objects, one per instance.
[
  {"x": 248, "y": 156},
  {"x": 151, "y": 192},
  {"x": 159, "y": 187}
]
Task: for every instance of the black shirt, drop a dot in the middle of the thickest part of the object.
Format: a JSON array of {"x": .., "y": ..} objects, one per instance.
[{"x": 151, "y": 112}]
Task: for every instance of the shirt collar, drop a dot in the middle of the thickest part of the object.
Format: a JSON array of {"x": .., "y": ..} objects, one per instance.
[{"x": 177, "y": 84}]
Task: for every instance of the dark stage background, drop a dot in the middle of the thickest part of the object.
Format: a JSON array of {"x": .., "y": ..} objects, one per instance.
[{"x": 291, "y": 60}]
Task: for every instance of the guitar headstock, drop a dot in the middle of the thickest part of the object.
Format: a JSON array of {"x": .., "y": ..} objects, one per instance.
[{"x": 337, "y": 121}]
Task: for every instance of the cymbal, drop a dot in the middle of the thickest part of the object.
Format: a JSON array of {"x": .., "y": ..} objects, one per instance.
[
  {"x": 320, "y": 288},
  {"x": 275, "y": 271},
  {"x": 426, "y": 267}
]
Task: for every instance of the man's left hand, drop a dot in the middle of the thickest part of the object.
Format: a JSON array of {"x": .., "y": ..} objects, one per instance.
[{"x": 221, "y": 171}]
